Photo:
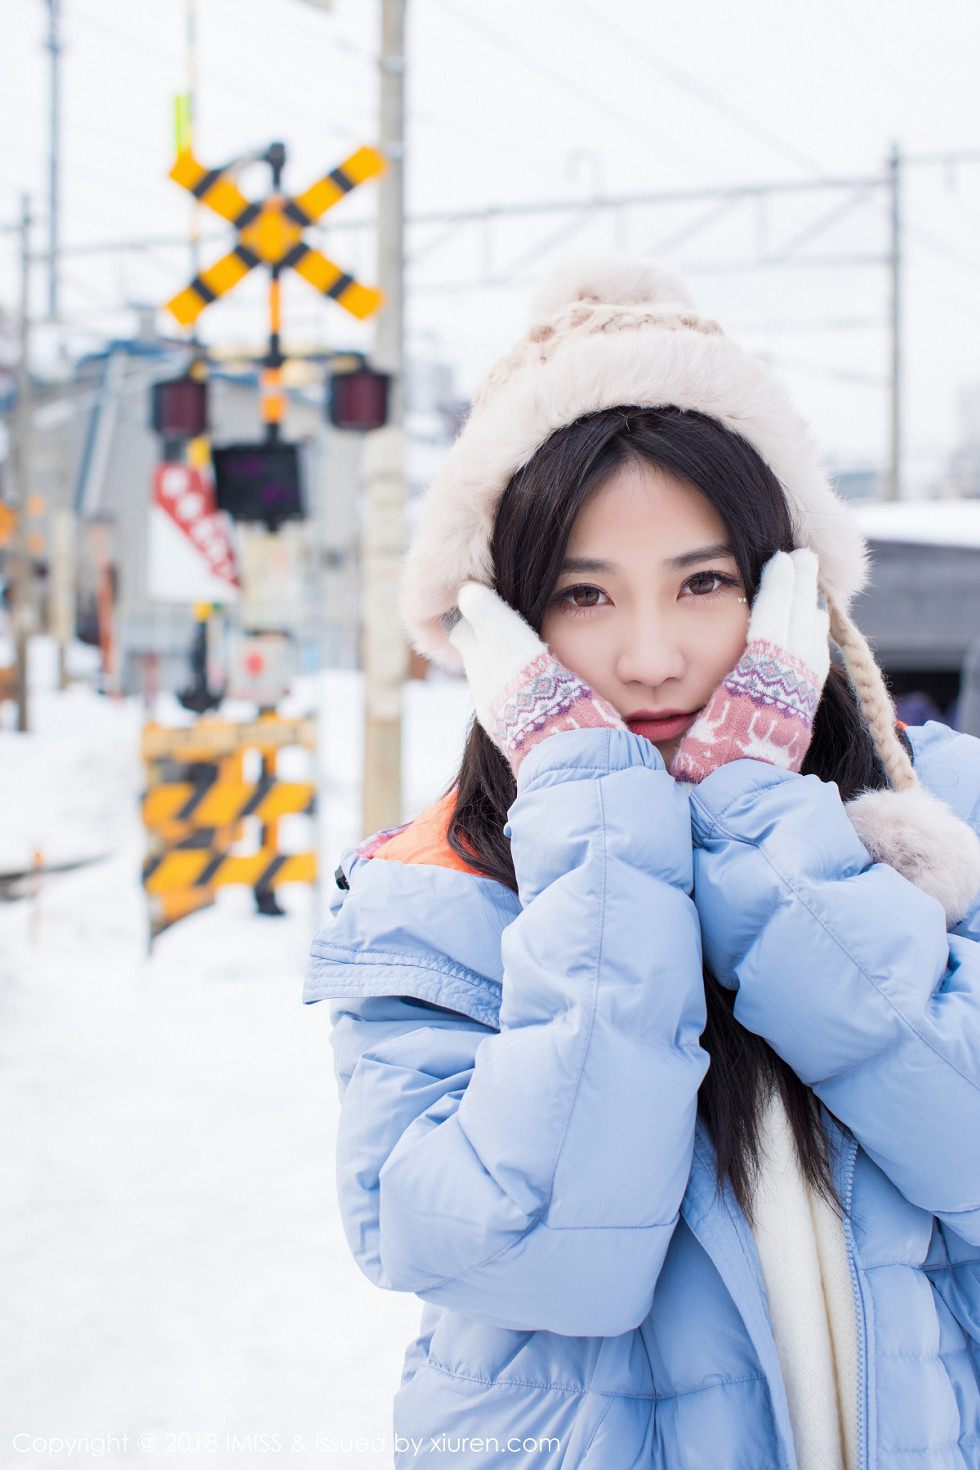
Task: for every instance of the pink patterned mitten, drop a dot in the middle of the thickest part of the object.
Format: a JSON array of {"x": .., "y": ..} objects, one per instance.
[
  {"x": 764, "y": 709},
  {"x": 521, "y": 692}
]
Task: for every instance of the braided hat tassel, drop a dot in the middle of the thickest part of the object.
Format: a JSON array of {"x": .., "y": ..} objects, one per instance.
[{"x": 873, "y": 697}]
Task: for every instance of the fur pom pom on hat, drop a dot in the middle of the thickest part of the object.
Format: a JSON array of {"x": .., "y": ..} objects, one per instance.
[
  {"x": 629, "y": 282},
  {"x": 611, "y": 332},
  {"x": 917, "y": 833}
]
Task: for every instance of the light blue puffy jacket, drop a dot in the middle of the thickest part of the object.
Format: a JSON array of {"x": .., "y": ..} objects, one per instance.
[{"x": 518, "y": 1140}]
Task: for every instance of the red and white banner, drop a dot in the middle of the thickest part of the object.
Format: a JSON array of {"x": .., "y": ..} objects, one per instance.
[{"x": 191, "y": 553}]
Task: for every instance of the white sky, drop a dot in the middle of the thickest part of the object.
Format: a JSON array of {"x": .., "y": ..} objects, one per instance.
[{"x": 529, "y": 100}]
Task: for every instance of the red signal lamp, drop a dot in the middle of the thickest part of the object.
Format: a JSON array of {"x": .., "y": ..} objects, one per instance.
[
  {"x": 358, "y": 399},
  {"x": 180, "y": 408}
]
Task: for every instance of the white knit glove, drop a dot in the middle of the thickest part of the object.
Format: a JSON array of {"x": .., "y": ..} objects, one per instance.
[
  {"x": 520, "y": 691},
  {"x": 765, "y": 708}
]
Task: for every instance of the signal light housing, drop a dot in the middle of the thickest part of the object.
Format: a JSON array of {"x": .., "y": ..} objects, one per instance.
[
  {"x": 358, "y": 399},
  {"x": 180, "y": 408},
  {"x": 259, "y": 482}
]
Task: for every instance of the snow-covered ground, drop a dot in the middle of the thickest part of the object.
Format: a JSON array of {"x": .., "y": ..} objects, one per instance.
[{"x": 173, "y": 1271}]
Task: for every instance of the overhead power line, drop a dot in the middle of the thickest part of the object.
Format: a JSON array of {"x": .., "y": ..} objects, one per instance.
[
  {"x": 322, "y": 27},
  {"x": 513, "y": 49},
  {"x": 217, "y": 78},
  {"x": 683, "y": 79}
]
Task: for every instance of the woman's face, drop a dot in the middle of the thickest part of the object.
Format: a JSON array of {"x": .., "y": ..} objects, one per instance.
[{"x": 646, "y": 608}]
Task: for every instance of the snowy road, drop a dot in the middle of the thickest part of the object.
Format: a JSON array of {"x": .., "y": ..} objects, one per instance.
[{"x": 173, "y": 1266}]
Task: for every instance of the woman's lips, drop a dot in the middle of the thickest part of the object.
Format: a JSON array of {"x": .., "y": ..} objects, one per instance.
[{"x": 660, "y": 727}]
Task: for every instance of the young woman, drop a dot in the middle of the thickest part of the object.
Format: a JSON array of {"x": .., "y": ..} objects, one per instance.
[{"x": 658, "y": 1036}]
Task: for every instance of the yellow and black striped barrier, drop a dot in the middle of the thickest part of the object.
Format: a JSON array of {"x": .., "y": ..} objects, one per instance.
[
  {"x": 195, "y": 805},
  {"x": 270, "y": 232},
  {"x": 211, "y": 739},
  {"x": 182, "y": 868},
  {"x": 183, "y": 806}
]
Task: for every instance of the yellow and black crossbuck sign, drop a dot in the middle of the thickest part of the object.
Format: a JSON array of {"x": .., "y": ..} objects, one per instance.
[{"x": 270, "y": 232}]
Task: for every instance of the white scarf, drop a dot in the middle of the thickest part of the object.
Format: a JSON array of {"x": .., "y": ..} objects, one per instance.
[{"x": 800, "y": 1240}]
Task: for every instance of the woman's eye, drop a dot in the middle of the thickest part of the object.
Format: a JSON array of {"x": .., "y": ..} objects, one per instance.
[
  {"x": 581, "y": 597},
  {"x": 703, "y": 583}
]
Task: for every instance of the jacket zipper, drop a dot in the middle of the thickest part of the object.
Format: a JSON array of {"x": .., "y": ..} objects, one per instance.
[{"x": 859, "y": 1313}]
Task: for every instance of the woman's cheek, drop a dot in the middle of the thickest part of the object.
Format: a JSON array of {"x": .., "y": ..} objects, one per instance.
[
  {"x": 717, "y": 650},
  {"x": 737, "y": 636},
  {"x": 579, "y": 646}
]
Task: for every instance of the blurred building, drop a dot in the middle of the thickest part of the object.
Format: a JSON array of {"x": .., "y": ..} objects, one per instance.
[
  {"x": 964, "y": 464},
  {"x": 863, "y": 483},
  {"x": 94, "y": 450},
  {"x": 921, "y": 610}
]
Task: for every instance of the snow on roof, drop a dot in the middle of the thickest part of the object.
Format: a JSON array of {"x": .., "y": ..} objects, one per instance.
[{"x": 922, "y": 522}]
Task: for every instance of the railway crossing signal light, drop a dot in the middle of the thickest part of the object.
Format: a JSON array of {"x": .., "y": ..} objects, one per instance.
[
  {"x": 358, "y": 399},
  {"x": 270, "y": 232},
  {"x": 180, "y": 408}
]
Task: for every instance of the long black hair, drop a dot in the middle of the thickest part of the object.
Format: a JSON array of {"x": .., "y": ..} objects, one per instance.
[{"x": 533, "y": 525}]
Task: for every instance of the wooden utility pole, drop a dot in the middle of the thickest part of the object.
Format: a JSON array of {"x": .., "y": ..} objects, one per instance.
[
  {"x": 186, "y": 138},
  {"x": 21, "y": 571},
  {"x": 893, "y": 488},
  {"x": 384, "y": 654},
  {"x": 62, "y": 596},
  {"x": 53, "y": 45}
]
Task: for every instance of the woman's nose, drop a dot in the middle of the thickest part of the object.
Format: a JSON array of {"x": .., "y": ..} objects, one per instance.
[{"x": 649, "y": 655}]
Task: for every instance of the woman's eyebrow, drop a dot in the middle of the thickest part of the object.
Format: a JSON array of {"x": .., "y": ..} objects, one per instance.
[
  {"x": 585, "y": 564},
  {"x": 674, "y": 563},
  {"x": 703, "y": 553}
]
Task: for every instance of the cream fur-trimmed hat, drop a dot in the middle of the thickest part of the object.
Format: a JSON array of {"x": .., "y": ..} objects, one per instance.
[{"x": 609, "y": 332}]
